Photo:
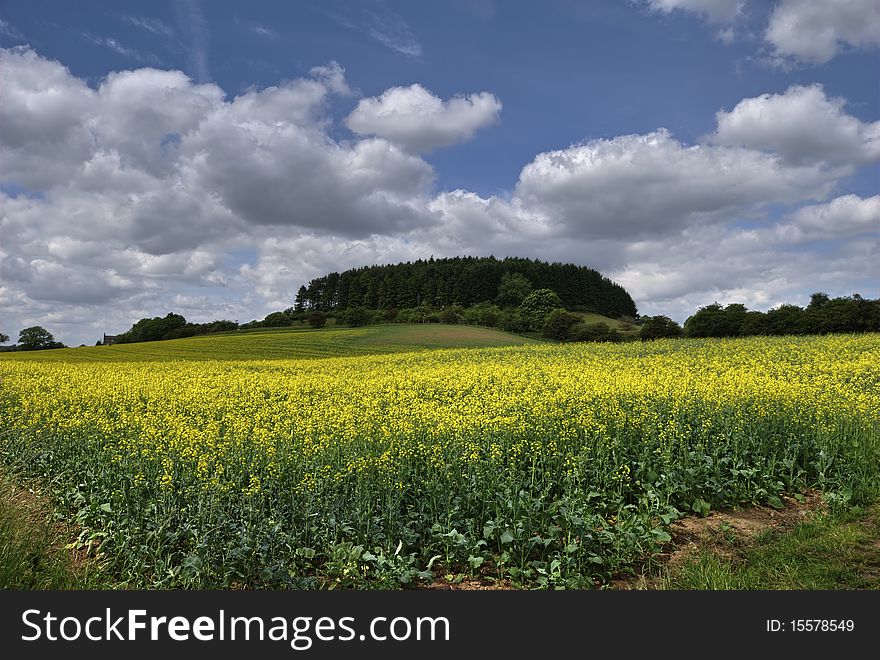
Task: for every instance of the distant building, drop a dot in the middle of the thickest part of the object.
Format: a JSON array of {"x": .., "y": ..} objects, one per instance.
[{"x": 109, "y": 340}]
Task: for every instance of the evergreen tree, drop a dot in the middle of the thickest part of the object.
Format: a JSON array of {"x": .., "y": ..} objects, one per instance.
[{"x": 464, "y": 281}]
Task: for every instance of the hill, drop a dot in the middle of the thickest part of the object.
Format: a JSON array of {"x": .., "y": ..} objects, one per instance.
[
  {"x": 463, "y": 281},
  {"x": 282, "y": 344}
]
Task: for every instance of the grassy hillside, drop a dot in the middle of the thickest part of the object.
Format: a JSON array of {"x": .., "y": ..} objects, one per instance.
[
  {"x": 276, "y": 344},
  {"x": 614, "y": 324}
]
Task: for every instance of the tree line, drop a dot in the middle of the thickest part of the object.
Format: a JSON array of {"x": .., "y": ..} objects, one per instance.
[
  {"x": 543, "y": 312},
  {"x": 822, "y": 315},
  {"x": 539, "y": 312},
  {"x": 463, "y": 282}
]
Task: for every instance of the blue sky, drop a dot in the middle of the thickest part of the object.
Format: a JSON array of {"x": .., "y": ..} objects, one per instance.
[{"x": 566, "y": 78}]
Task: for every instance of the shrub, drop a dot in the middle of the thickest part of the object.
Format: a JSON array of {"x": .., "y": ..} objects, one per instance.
[
  {"x": 317, "y": 319},
  {"x": 559, "y": 324},
  {"x": 593, "y": 332},
  {"x": 659, "y": 327},
  {"x": 355, "y": 317},
  {"x": 451, "y": 315},
  {"x": 483, "y": 314},
  {"x": 512, "y": 321}
]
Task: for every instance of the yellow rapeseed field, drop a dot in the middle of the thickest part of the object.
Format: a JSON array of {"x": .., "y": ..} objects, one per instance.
[{"x": 546, "y": 464}]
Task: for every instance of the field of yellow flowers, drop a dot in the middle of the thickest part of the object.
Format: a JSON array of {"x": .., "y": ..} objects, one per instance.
[{"x": 547, "y": 465}]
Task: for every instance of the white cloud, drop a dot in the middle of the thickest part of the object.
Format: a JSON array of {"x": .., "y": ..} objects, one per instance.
[
  {"x": 44, "y": 114},
  {"x": 814, "y": 31},
  {"x": 117, "y": 47},
  {"x": 286, "y": 178},
  {"x": 636, "y": 185},
  {"x": 848, "y": 215},
  {"x": 726, "y": 35},
  {"x": 149, "y": 193},
  {"x": 9, "y": 30},
  {"x": 677, "y": 274},
  {"x": 263, "y": 31},
  {"x": 419, "y": 121},
  {"x": 152, "y": 25},
  {"x": 333, "y": 77},
  {"x": 147, "y": 183},
  {"x": 390, "y": 30},
  {"x": 192, "y": 23},
  {"x": 803, "y": 125},
  {"x": 384, "y": 25},
  {"x": 716, "y": 11},
  {"x": 144, "y": 114}
]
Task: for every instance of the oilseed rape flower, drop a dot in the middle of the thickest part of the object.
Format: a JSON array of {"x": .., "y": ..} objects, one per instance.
[{"x": 210, "y": 472}]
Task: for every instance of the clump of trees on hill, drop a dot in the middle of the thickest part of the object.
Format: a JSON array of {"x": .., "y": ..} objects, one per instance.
[
  {"x": 823, "y": 315},
  {"x": 513, "y": 294},
  {"x": 171, "y": 326},
  {"x": 464, "y": 282}
]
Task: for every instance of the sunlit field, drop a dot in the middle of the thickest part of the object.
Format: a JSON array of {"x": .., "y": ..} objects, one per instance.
[
  {"x": 542, "y": 465},
  {"x": 283, "y": 343}
]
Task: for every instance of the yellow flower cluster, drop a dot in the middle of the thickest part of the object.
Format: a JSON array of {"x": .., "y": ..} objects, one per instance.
[
  {"x": 234, "y": 424},
  {"x": 245, "y": 424}
]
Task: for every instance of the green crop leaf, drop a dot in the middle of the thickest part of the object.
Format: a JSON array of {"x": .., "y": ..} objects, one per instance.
[{"x": 701, "y": 506}]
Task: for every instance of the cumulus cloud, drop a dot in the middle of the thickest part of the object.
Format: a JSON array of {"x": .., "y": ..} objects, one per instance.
[
  {"x": 802, "y": 125},
  {"x": 332, "y": 76},
  {"x": 814, "y": 31},
  {"x": 634, "y": 185},
  {"x": 294, "y": 179},
  {"x": 148, "y": 192},
  {"x": 149, "y": 144},
  {"x": 149, "y": 179},
  {"x": 145, "y": 113},
  {"x": 716, "y": 11},
  {"x": 419, "y": 121},
  {"x": 848, "y": 215},
  {"x": 675, "y": 275},
  {"x": 44, "y": 114}
]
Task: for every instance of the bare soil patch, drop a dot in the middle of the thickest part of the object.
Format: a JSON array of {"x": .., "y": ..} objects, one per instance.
[
  {"x": 468, "y": 585},
  {"x": 722, "y": 532}
]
